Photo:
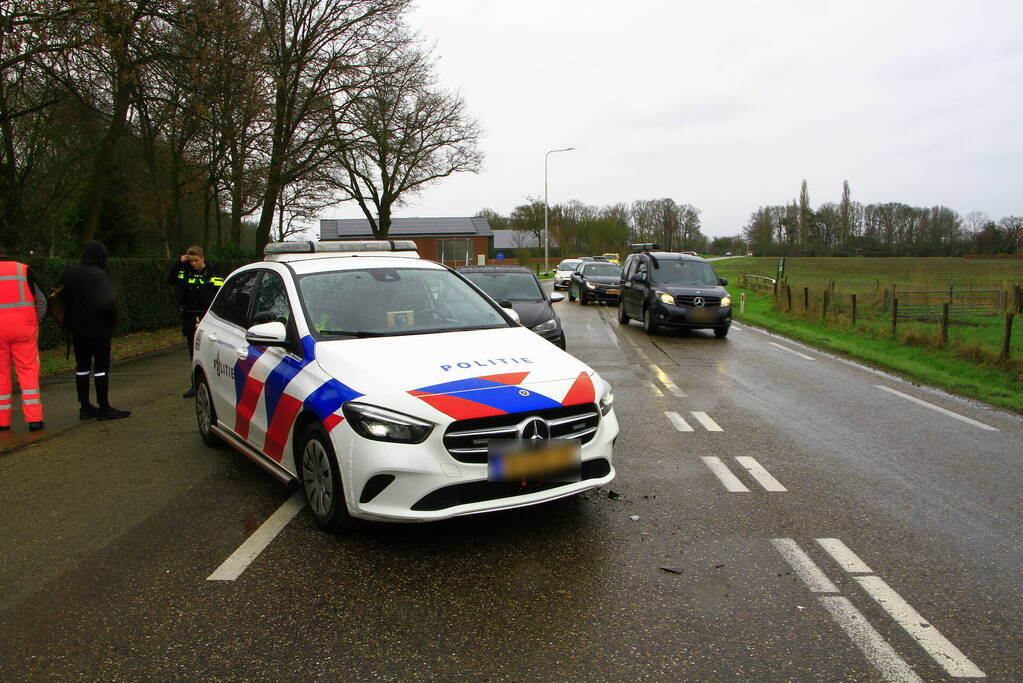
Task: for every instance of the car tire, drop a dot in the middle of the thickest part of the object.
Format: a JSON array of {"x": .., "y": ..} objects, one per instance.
[
  {"x": 321, "y": 484},
  {"x": 582, "y": 298},
  {"x": 623, "y": 317},
  {"x": 649, "y": 326},
  {"x": 721, "y": 332},
  {"x": 205, "y": 412}
]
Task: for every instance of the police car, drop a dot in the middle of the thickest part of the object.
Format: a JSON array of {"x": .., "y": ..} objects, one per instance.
[{"x": 392, "y": 389}]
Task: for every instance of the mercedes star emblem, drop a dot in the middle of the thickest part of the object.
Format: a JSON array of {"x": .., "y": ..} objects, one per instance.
[{"x": 699, "y": 302}]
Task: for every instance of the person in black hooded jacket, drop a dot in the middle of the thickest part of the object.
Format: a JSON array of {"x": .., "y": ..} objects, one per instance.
[{"x": 90, "y": 314}]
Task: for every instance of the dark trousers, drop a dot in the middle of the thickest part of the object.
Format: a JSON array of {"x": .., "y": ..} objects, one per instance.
[
  {"x": 189, "y": 321},
  {"x": 92, "y": 357}
]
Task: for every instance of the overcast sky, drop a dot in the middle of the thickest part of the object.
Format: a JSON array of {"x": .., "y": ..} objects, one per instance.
[{"x": 729, "y": 105}]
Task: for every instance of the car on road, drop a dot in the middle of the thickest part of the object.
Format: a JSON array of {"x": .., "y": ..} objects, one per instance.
[
  {"x": 673, "y": 289},
  {"x": 393, "y": 389},
  {"x": 518, "y": 288},
  {"x": 612, "y": 258},
  {"x": 563, "y": 272},
  {"x": 595, "y": 281}
]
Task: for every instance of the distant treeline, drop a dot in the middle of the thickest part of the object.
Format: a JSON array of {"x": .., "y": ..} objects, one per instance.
[
  {"x": 578, "y": 229},
  {"x": 849, "y": 228}
]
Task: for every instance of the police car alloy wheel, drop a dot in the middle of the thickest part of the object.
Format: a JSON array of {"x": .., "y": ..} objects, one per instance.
[
  {"x": 205, "y": 413},
  {"x": 321, "y": 482}
]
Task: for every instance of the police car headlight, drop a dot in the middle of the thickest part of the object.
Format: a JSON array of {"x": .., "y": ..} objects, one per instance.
[
  {"x": 607, "y": 400},
  {"x": 666, "y": 298},
  {"x": 726, "y": 301},
  {"x": 548, "y": 326},
  {"x": 590, "y": 285},
  {"x": 380, "y": 424}
]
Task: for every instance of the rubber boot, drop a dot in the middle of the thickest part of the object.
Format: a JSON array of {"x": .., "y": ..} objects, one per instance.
[
  {"x": 87, "y": 410},
  {"x": 106, "y": 411}
]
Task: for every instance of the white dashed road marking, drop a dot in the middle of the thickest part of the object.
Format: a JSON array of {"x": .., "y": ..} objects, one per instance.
[
  {"x": 804, "y": 567},
  {"x": 653, "y": 388},
  {"x": 676, "y": 419},
  {"x": 248, "y": 551},
  {"x": 792, "y": 351},
  {"x": 704, "y": 419},
  {"x": 762, "y": 476},
  {"x": 939, "y": 409},
  {"x": 721, "y": 471},
  {"x": 937, "y": 646},
  {"x": 877, "y": 650},
  {"x": 844, "y": 557}
]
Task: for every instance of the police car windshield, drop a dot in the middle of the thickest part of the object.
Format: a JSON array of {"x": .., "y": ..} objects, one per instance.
[
  {"x": 683, "y": 272},
  {"x": 375, "y": 302},
  {"x": 602, "y": 269},
  {"x": 510, "y": 286}
]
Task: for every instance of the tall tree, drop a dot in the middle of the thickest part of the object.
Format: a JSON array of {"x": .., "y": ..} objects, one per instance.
[
  {"x": 845, "y": 217},
  {"x": 403, "y": 133},
  {"x": 317, "y": 61}
]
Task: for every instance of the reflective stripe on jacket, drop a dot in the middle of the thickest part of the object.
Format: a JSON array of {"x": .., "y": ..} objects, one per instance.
[{"x": 15, "y": 291}]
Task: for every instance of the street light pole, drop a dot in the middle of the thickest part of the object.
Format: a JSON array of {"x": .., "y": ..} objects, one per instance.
[{"x": 546, "y": 239}]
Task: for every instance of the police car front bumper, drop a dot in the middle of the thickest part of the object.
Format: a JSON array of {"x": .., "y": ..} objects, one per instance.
[{"x": 428, "y": 484}]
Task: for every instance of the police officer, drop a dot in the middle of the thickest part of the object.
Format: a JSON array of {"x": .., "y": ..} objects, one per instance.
[{"x": 196, "y": 284}]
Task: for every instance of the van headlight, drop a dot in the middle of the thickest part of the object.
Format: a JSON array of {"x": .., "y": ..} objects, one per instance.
[
  {"x": 607, "y": 399},
  {"x": 380, "y": 424},
  {"x": 547, "y": 326},
  {"x": 726, "y": 301},
  {"x": 666, "y": 298}
]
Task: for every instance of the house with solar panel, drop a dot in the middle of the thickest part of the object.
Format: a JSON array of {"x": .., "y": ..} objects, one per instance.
[{"x": 451, "y": 241}]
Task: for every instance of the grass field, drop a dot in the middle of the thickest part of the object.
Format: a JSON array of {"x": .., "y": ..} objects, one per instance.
[
  {"x": 969, "y": 364},
  {"x": 869, "y": 275}
]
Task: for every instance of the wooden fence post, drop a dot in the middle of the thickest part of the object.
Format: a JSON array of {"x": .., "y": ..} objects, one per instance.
[
  {"x": 806, "y": 299},
  {"x": 895, "y": 314},
  {"x": 1017, "y": 299},
  {"x": 943, "y": 334},
  {"x": 1008, "y": 337},
  {"x": 788, "y": 295},
  {"x": 854, "y": 309},
  {"x": 827, "y": 299}
]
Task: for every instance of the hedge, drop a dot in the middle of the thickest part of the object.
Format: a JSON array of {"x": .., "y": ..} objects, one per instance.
[{"x": 144, "y": 299}]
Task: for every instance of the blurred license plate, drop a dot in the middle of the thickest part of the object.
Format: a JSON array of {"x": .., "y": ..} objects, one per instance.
[
  {"x": 612, "y": 291},
  {"x": 556, "y": 460},
  {"x": 702, "y": 315}
]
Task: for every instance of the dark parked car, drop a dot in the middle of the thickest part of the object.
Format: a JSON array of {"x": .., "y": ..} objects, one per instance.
[
  {"x": 595, "y": 281},
  {"x": 673, "y": 289},
  {"x": 518, "y": 288}
]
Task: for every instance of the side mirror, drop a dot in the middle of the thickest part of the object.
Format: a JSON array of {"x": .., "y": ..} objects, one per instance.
[
  {"x": 556, "y": 297},
  {"x": 722, "y": 281},
  {"x": 267, "y": 334},
  {"x": 638, "y": 277}
]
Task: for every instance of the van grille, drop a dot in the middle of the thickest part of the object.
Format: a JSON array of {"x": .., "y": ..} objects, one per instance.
[
  {"x": 467, "y": 440},
  {"x": 707, "y": 300}
]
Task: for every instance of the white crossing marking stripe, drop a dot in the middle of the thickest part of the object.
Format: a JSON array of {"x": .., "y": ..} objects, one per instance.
[
  {"x": 762, "y": 476},
  {"x": 843, "y": 556},
  {"x": 939, "y": 409},
  {"x": 248, "y": 551},
  {"x": 793, "y": 351},
  {"x": 937, "y": 646},
  {"x": 704, "y": 419},
  {"x": 653, "y": 388},
  {"x": 878, "y": 652},
  {"x": 666, "y": 381},
  {"x": 676, "y": 419},
  {"x": 804, "y": 567},
  {"x": 731, "y": 482}
]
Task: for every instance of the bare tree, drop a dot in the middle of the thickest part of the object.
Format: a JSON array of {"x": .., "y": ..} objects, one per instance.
[
  {"x": 403, "y": 134},
  {"x": 315, "y": 65}
]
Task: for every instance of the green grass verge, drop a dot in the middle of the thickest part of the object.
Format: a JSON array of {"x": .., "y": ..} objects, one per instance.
[
  {"x": 53, "y": 362},
  {"x": 960, "y": 372}
]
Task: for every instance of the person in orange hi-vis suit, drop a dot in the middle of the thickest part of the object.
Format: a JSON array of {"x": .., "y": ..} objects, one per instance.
[{"x": 22, "y": 307}]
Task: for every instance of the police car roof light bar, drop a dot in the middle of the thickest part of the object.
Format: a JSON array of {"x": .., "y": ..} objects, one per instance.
[
  {"x": 644, "y": 246},
  {"x": 310, "y": 247}
]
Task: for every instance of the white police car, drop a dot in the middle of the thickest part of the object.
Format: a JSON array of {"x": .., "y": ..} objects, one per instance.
[{"x": 393, "y": 389}]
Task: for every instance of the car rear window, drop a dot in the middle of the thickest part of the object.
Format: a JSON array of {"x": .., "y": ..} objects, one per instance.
[{"x": 510, "y": 286}]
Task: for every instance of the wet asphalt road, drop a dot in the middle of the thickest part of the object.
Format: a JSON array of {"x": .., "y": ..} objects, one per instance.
[{"x": 110, "y": 529}]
